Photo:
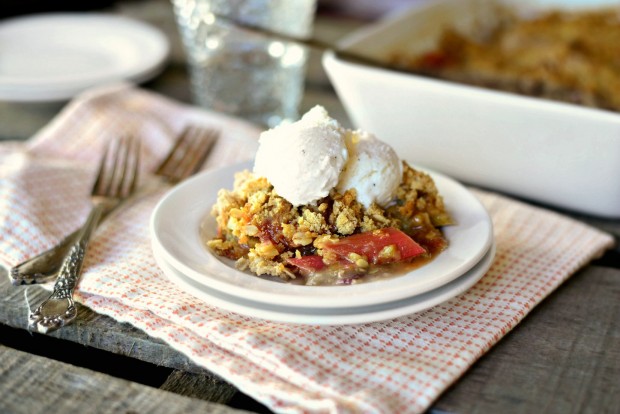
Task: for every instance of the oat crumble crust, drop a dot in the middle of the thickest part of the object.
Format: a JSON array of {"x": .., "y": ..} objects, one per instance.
[
  {"x": 261, "y": 230},
  {"x": 570, "y": 56}
]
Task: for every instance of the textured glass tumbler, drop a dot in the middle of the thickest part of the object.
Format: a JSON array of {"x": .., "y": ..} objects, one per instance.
[{"x": 235, "y": 71}]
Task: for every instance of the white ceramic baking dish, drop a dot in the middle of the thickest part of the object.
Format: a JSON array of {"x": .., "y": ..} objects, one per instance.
[{"x": 556, "y": 153}]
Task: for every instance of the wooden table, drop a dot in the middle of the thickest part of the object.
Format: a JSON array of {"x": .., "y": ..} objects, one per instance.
[{"x": 563, "y": 358}]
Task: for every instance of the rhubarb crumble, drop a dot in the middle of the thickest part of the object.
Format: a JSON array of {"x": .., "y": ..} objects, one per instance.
[
  {"x": 565, "y": 56},
  {"x": 364, "y": 216}
]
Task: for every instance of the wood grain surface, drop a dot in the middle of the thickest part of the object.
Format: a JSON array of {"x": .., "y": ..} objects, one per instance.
[
  {"x": 33, "y": 384},
  {"x": 563, "y": 358}
]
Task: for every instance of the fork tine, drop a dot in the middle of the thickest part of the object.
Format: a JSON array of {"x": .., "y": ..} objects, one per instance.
[
  {"x": 178, "y": 148},
  {"x": 115, "y": 185},
  {"x": 136, "y": 167},
  {"x": 203, "y": 141},
  {"x": 211, "y": 136},
  {"x": 99, "y": 183},
  {"x": 120, "y": 179},
  {"x": 129, "y": 178},
  {"x": 188, "y": 154}
]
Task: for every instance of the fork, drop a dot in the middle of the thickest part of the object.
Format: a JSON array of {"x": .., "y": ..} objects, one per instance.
[
  {"x": 186, "y": 156},
  {"x": 113, "y": 184}
]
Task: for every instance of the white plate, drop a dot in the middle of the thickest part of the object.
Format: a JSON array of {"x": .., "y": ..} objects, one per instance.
[
  {"x": 328, "y": 316},
  {"x": 53, "y": 57},
  {"x": 176, "y": 220}
]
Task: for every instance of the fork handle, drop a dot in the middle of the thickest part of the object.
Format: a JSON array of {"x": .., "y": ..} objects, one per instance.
[
  {"x": 59, "y": 308},
  {"x": 45, "y": 266}
]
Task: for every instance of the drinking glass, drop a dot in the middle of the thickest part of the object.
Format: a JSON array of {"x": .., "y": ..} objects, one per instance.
[{"x": 244, "y": 73}]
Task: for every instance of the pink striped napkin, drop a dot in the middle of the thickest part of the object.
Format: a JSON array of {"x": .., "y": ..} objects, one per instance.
[{"x": 397, "y": 366}]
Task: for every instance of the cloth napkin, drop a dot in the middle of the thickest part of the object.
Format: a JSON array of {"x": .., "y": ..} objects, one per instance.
[{"x": 396, "y": 366}]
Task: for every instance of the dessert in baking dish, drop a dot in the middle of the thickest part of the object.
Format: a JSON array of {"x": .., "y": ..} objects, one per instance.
[
  {"x": 326, "y": 205},
  {"x": 565, "y": 56}
]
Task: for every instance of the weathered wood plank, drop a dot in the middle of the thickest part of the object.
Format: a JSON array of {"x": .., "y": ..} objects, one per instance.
[
  {"x": 101, "y": 332},
  {"x": 198, "y": 385},
  {"x": 572, "y": 367},
  {"x": 563, "y": 358},
  {"x": 31, "y": 384},
  {"x": 89, "y": 328}
]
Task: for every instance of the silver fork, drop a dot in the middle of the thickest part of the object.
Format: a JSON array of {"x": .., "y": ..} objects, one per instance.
[
  {"x": 113, "y": 184},
  {"x": 186, "y": 156}
]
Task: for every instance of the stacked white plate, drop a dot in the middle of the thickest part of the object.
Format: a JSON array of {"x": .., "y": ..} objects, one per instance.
[
  {"x": 53, "y": 57},
  {"x": 180, "y": 252}
]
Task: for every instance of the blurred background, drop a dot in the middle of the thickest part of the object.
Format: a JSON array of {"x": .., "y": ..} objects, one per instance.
[{"x": 360, "y": 9}]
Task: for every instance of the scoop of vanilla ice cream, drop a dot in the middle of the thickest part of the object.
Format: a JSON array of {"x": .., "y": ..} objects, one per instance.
[
  {"x": 373, "y": 169},
  {"x": 303, "y": 160}
]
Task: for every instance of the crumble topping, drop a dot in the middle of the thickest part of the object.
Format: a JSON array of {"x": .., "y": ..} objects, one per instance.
[
  {"x": 262, "y": 231},
  {"x": 564, "y": 56}
]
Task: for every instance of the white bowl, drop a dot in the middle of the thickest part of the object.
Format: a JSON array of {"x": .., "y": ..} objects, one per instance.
[{"x": 559, "y": 154}]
